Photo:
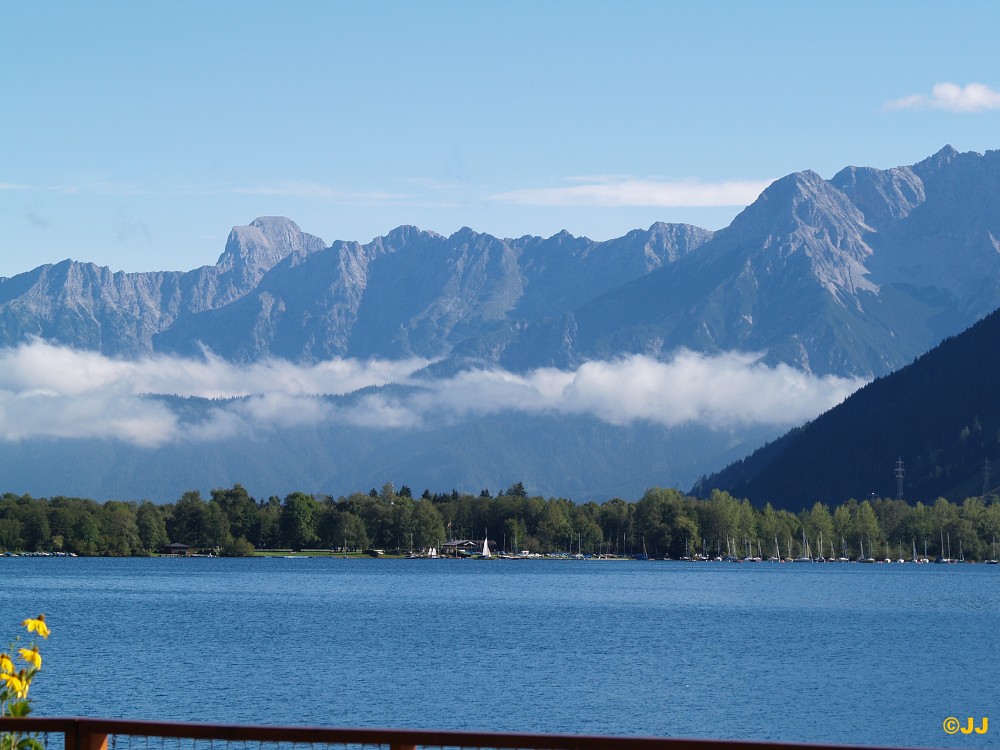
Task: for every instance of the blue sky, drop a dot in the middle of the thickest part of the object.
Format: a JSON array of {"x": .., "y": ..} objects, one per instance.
[{"x": 135, "y": 135}]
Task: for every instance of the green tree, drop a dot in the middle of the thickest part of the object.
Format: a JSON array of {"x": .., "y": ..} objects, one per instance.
[
  {"x": 266, "y": 528},
  {"x": 86, "y": 534},
  {"x": 151, "y": 526},
  {"x": 554, "y": 530},
  {"x": 35, "y": 527},
  {"x": 842, "y": 527},
  {"x": 188, "y": 524},
  {"x": 989, "y": 529},
  {"x": 63, "y": 514},
  {"x": 656, "y": 518},
  {"x": 685, "y": 527},
  {"x": 428, "y": 524},
  {"x": 401, "y": 531},
  {"x": 298, "y": 521},
  {"x": 516, "y": 490},
  {"x": 119, "y": 532},
  {"x": 866, "y": 527},
  {"x": 944, "y": 518},
  {"x": 10, "y": 535},
  {"x": 769, "y": 526},
  {"x": 720, "y": 519},
  {"x": 614, "y": 522},
  {"x": 351, "y": 532},
  {"x": 239, "y": 508},
  {"x": 515, "y": 533},
  {"x": 818, "y": 524},
  {"x": 326, "y": 523},
  {"x": 216, "y": 526},
  {"x": 892, "y": 517}
]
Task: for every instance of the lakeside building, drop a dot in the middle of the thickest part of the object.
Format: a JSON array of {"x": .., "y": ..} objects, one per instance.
[{"x": 466, "y": 547}]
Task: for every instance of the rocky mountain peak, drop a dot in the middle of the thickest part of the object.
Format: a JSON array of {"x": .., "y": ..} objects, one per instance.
[
  {"x": 935, "y": 163},
  {"x": 266, "y": 241},
  {"x": 799, "y": 202},
  {"x": 406, "y": 233},
  {"x": 465, "y": 235},
  {"x": 883, "y": 195}
]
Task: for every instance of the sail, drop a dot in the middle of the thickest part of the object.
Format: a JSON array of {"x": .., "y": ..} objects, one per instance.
[{"x": 486, "y": 548}]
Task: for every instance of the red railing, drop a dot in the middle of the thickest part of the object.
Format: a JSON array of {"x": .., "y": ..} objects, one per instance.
[{"x": 93, "y": 734}]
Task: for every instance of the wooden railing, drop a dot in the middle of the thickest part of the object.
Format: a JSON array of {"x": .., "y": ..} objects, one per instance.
[{"x": 94, "y": 734}]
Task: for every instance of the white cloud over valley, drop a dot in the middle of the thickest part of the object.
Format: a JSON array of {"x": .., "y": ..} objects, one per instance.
[
  {"x": 722, "y": 391},
  {"x": 49, "y": 391}
]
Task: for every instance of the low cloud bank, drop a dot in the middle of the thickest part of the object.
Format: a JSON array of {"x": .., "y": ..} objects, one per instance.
[
  {"x": 725, "y": 390},
  {"x": 56, "y": 392}
]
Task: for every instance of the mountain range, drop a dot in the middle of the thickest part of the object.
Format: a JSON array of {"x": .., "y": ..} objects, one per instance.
[{"x": 854, "y": 276}]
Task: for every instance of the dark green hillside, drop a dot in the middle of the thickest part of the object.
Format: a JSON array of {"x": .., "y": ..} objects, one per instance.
[{"x": 940, "y": 415}]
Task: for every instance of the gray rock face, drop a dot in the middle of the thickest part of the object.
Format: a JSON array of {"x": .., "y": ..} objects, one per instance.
[
  {"x": 417, "y": 293},
  {"x": 949, "y": 245},
  {"x": 261, "y": 245},
  {"x": 254, "y": 250},
  {"x": 882, "y": 196},
  {"x": 90, "y": 307}
]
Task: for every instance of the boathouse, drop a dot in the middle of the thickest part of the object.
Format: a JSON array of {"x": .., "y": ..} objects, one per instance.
[{"x": 465, "y": 547}]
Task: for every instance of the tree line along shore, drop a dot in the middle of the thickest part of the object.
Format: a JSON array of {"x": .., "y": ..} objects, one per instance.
[{"x": 662, "y": 523}]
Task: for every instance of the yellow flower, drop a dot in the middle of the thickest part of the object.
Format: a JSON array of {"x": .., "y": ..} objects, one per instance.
[
  {"x": 37, "y": 626},
  {"x": 31, "y": 656},
  {"x": 18, "y": 683},
  {"x": 6, "y": 665}
]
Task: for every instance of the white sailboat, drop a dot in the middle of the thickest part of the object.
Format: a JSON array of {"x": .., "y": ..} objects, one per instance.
[
  {"x": 806, "y": 555},
  {"x": 486, "y": 547},
  {"x": 777, "y": 552},
  {"x": 864, "y": 559}
]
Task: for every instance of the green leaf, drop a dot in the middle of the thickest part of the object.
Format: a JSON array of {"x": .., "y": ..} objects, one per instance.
[{"x": 19, "y": 709}]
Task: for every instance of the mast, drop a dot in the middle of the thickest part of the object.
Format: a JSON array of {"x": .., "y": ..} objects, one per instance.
[{"x": 986, "y": 480}]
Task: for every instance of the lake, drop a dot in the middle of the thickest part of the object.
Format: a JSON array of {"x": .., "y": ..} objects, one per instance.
[{"x": 840, "y": 653}]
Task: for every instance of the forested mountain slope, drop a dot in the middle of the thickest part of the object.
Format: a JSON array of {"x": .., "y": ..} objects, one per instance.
[{"x": 940, "y": 415}]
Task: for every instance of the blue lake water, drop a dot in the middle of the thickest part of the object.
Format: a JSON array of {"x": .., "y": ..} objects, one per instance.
[{"x": 867, "y": 654}]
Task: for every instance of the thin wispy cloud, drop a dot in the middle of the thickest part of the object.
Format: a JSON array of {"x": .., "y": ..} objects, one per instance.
[
  {"x": 974, "y": 97},
  {"x": 57, "y": 392},
  {"x": 93, "y": 188},
  {"x": 316, "y": 190},
  {"x": 624, "y": 192},
  {"x": 286, "y": 188}
]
